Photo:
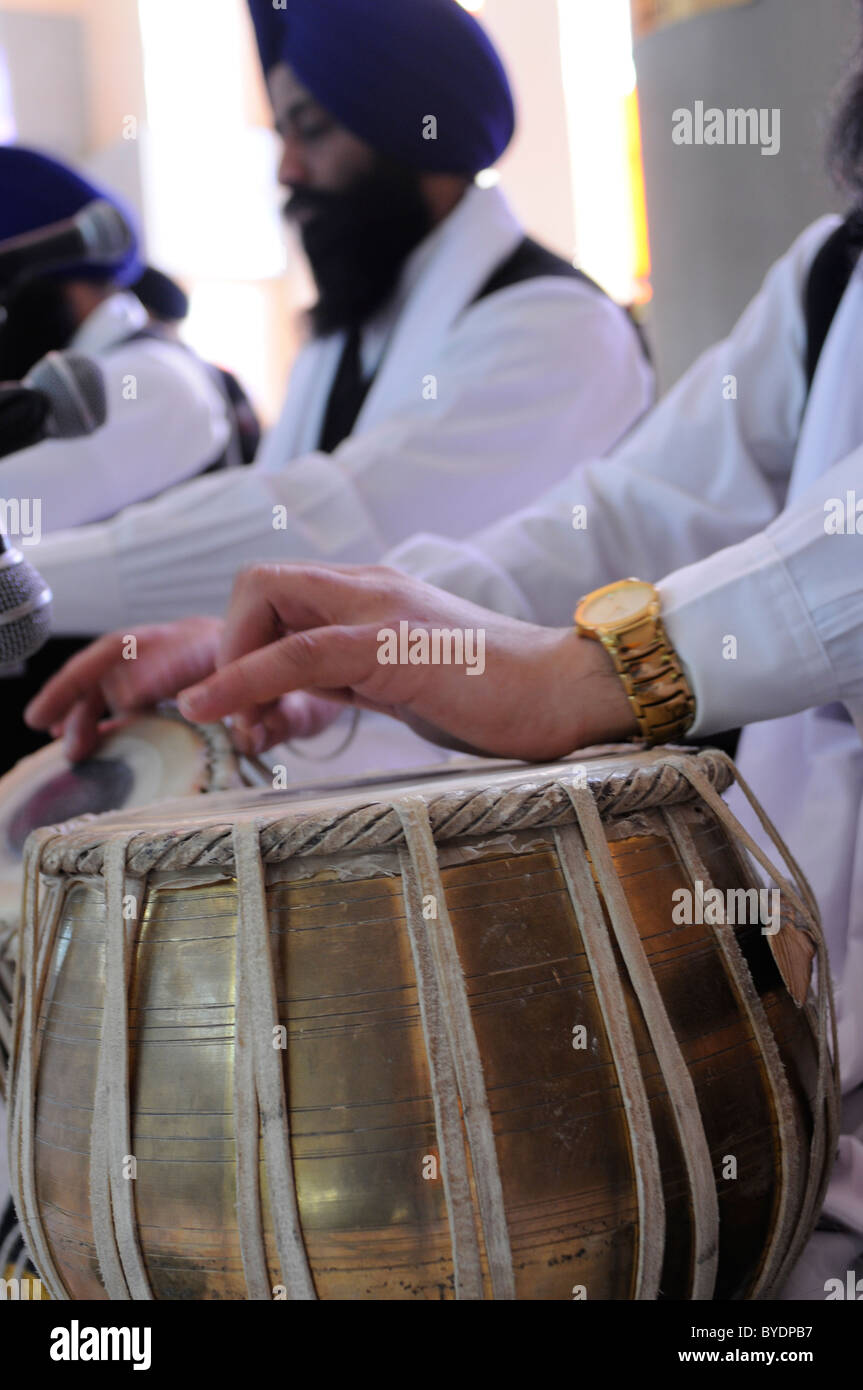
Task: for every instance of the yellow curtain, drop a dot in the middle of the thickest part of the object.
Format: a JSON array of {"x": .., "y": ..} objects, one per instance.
[{"x": 650, "y": 15}]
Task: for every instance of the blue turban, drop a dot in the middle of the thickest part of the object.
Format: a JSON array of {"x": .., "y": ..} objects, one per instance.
[
  {"x": 162, "y": 296},
  {"x": 382, "y": 67},
  {"x": 36, "y": 191}
]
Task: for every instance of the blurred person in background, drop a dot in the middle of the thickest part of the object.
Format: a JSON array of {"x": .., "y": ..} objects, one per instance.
[
  {"x": 168, "y": 306},
  {"x": 166, "y": 422},
  {"x": 454, "y": 366},
  {"x": 168, "y": 419}
]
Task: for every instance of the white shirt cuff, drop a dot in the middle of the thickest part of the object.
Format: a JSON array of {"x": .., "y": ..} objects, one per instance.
[{"x": 745, "y": 638}]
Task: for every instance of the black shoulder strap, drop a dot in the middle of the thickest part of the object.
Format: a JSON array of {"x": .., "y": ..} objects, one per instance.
[
  {"x": 532, "y": 261},
  {"x": 529, "y": 261},
  {"x": 234, "y": 453},
  {"x": 828, "y": 280}
]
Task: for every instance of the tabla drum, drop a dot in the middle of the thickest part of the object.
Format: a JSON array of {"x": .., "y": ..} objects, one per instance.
[
  {"x": 452, "y": 1037},
  {"x": 147, "y": 759}
]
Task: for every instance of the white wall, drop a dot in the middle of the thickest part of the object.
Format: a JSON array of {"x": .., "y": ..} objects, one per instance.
[
  {"x": 76, "y": 71},
  {"x": 719, "y": 216},
  {"x": 536, "y": 171}
]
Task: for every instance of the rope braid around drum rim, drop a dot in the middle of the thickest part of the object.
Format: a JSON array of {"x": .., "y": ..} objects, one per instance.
[
  {"x": 375, "y": 825},
  {"x": 454, "y": 1059}
]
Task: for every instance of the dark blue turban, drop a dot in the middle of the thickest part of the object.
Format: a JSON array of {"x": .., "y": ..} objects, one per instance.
[
  {"x": 382, "y": 67},
  {"x": 36, "y": 191}
]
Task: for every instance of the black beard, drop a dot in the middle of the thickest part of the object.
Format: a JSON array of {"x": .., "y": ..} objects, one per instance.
[
  {"x": 358, "y": 241},
  {"x": 38, "y": 320}
]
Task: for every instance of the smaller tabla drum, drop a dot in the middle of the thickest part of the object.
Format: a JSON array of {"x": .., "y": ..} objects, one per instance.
[
  {"x": 484, "y": 1034},
  {"x": 146, "y": 759}
]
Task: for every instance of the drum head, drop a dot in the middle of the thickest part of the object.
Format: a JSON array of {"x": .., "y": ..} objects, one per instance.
[{"x": 148, "y": 759}]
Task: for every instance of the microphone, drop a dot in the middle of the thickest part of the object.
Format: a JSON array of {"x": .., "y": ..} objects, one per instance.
[
  {"x": 99, "y": 232},
  {"x": 75, "y": 388},
  {"x": 63, "y": 397},
  {"x": 22, "y": 418},
  {"x": 25, "y": 611}
]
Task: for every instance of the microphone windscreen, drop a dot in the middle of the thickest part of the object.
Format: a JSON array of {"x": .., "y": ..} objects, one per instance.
[
  {"x": 75, "y": 387},
  {"x": 25, "y": 610},
  {"x": 107, "y": 235}
]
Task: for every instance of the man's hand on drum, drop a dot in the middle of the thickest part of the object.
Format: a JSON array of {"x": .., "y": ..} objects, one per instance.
[
  {"x": 297, "y": 635},
  {"x": 121, "y": 673}
]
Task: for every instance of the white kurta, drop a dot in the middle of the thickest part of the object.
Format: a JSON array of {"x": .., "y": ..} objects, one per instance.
[
  {"x": 475, "y": 408},
  {"x": 166, "y": 422},
  {"x": 730, "y": 459}
]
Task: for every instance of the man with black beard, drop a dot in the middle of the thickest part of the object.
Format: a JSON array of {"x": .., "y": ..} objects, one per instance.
[
  {"x": 358, "y": 240},
  {"x": 453, "y": 366}
]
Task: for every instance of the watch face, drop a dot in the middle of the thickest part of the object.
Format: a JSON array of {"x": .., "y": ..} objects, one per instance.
[{"x": 620, "y": 605}]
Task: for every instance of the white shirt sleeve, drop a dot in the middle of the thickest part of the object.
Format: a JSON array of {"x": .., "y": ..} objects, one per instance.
[
  {"x": 775, "y": 625},
  {"x": 166, "y": 422},
  {"x": 708, "y": 468},
  {"x": 530, "y": 379}
]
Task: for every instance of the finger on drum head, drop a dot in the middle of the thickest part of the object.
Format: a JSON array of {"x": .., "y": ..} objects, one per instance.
[
  {"x": 81, "y": 735},
  {"x": 244, "y": 720},
  {"x": 251, "y": 741},
  {"x": 75, "y": 681},
  {"x": 327, "y": 658},
  {"x": 295, "y": 716}
]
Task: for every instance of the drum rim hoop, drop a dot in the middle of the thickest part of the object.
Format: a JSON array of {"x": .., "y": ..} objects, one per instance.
[{"x": 538, "y": 802}]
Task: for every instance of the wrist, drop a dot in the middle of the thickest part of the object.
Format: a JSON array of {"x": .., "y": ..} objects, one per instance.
[{"x": 593, "y": 704}]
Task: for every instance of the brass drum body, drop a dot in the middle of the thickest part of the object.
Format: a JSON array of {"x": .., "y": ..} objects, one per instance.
[
  {"x": 146, "y": 759},
  {"x": 442, "y": 1040}
]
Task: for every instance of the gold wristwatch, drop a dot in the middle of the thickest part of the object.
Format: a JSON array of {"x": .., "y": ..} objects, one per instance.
[{"x": 625, "y": 618}]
